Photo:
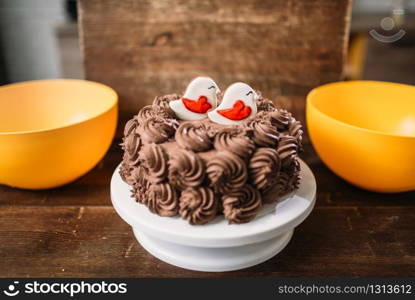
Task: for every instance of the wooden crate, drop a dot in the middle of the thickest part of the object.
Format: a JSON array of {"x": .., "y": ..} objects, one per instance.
[{"x": 144, "y": 48}]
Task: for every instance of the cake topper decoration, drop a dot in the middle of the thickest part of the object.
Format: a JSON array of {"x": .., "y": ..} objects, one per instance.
[
  {"x": 239, "y": 103},
  {"x": 199, "y": 97}
]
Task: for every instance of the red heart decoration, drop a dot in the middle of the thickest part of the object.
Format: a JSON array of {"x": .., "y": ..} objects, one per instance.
[
  {"x": 238, "y": 111},
  {"x": 201, "y": 106}
]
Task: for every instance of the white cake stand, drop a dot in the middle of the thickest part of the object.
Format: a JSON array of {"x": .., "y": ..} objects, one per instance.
[{"x": 216, "y": 246}]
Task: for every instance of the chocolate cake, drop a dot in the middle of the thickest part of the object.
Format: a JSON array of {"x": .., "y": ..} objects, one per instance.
[{"x": 199, "y": 169}]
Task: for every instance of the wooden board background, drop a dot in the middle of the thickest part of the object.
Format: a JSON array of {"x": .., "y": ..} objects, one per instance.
[{"x": 145, "y": 48}]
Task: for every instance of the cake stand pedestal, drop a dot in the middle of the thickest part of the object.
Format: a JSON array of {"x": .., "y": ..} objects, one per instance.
[{"x": 216, "y": 246}]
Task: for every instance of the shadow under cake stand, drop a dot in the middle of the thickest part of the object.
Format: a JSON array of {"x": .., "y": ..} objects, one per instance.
[{"x": 216, "y": 246}]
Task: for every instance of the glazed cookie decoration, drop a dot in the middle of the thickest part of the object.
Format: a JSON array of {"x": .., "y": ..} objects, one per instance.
[
  {"x": 238, "y": 104},
  {"x": 199, "y": 98}
]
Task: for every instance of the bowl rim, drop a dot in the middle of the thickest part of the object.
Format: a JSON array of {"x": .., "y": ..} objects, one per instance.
[
  {"x": 331, "y": 84},
  {"x": 55, "y": 128}
]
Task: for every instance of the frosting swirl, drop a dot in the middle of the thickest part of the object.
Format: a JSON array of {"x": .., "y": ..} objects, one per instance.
[
  {"x": 295, "y": 129},
  {"x": 163, "y": 101},
  {"x": 282, "y": 185},
  {"x": 154, "y": 159},
  {"x": 145, "y": 113},
  {"x": 157, "y": 130},
  {"x": 198, "y": 205},
  {"x": 242, "y": 205},
  {"x": 140, "y": 184},
  {"x": 295, "y": 181},
  {"x": 162, "y": 200},
  {"x": 226, "y": 172},
  {"x": 263, "y": 115},
  {"x": 130, "y": 126},
  {"x": 264, "y": 104},
  {"x": 139, "y": 175},
  {"x": 186, "y": 169},
  {"x": 280, "y": 118},
  {"x": 264, "y": 134},
  {"x": 193, "y": 136},
  {"x": 132, "y": 145},
  {"x": 264, "y": 167},
  {"x": 235, "y": 141},
  {"x": 293, "y": 168},
  {"x": 288, "y": 183},
  {"x": 287, "y": 150},
  {"x": 125, "y": 171},
  {"x": 155, "y": 110}
]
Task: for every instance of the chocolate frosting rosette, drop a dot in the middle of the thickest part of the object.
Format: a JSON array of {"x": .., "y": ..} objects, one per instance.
[
  {"x": 145, "y": 113},
  {"x": 154, "y": 159},
  {"x": 264, "y": 133},
  {"x": 132, "y": 145},
  {"x": 287, "y": 150},
  {"x": 157, "y": 130},
  {"x": 289, "y": 180},
  {"x": 264, "y": 104},
  {"x": 198, "y": 205},
  {"x": 294, "y": 182},
  {"x": 226, "y": 172},
  {"x": 186, "y": 169},
  {"x": 162, "y": 200},
  {"x": 295, "y": 129},
  {"x": 140, "y": 183},
  {"x": 163, "y": 102},
  {"x": 283, "y": 186},
  {"x": 149, "y": 111},
  {"x": 235, "y": 140},
  {"x": 241, "y": 205},
  {"x": 264, "y": 167},
  {"x": 280, "y": 118},
  {"x": 130, "y": 127},
  {"x": 193, "y": 136}
]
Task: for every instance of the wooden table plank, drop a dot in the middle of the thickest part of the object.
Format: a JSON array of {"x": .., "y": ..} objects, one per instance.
[{"x": 93, "y": 241}]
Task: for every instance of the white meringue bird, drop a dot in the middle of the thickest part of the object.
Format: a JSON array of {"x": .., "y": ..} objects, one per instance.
[
  {"x": 200, "y": 97},
  {"x": 239, "y": 103}
]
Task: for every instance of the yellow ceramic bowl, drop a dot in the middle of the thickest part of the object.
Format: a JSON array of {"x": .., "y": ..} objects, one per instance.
[
  {"x": 365, "y": 132},
  {"x": 53, "y": 131}
]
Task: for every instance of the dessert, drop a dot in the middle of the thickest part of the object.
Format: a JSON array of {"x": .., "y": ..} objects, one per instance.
[{"x": 226, "y": 160}]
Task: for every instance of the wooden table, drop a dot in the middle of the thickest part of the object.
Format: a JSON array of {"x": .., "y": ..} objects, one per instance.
[{"x": 73, "y": 231}]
